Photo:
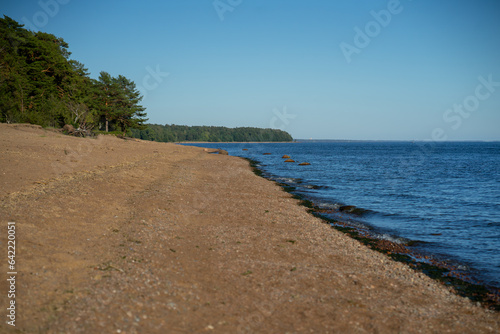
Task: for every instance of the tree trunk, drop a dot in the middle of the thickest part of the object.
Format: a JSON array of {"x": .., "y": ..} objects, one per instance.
[
  {"x": 106, "y": 125},
  {"x": 22, "y": 100}
]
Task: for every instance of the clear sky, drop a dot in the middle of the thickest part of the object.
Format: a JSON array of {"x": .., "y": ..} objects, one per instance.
[{"x": 325, "y": 69}]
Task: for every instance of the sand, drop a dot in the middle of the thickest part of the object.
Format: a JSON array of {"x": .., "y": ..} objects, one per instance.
[{"x": 128, "y": 236}]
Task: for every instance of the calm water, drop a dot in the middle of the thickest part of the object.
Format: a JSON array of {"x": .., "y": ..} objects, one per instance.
[{"x": 445, "y": 194}]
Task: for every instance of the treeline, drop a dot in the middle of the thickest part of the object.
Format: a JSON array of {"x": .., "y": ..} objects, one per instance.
[
  {"x": 179, "y": 133},
  {"x": 40, "y": 84}
]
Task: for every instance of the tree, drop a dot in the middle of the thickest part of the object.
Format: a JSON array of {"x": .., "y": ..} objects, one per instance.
[
  {"x": 13, "y": 80},
  {"x": 79, "y": 97},
  {"x": 130, "y": 113},
  {"x": 173, "y": 133},
  {"x": 39, "y": 84},
  {"x": 109, "y": 97},
  {"x": 120, "y": 103}
]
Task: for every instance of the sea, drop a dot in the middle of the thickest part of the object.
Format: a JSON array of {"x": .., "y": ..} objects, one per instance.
[{"x": 441, "y": 197}]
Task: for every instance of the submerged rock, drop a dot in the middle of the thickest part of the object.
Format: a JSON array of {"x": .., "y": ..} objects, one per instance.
[
  {"x": 347, "y": 208},
  {"x": 353, "y": 210},
  {"x": 289, "y": 160},
  {"x": 304, "y": 164},
  {"x": 266, "y": 153}
]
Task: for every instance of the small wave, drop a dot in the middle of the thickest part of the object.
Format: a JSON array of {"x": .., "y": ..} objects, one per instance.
[
  {"x": 463, "y": 267},
  {"x": 359, "y": 226},
  {"x": 311, "y": 186},
  {"x": 395, "y": 239},
  {"x": 290, "y": 180},
  {"x": 327, "y": 205}
]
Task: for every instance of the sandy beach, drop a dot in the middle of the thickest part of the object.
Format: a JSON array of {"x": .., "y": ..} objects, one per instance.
[{"x": 128, "y": 236}]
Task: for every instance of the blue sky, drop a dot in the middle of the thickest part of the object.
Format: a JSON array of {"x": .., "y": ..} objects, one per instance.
[{"x": 393, "y": 70}]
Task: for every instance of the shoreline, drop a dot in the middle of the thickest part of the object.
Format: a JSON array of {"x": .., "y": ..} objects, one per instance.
[
  {"x": 463, "y": 284},
  {"x": 466, "y": 282},
  {"x": 233, "y": 142},
  {"x": 141, "y": 236}
]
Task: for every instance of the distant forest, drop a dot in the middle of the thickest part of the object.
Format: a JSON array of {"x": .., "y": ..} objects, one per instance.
[
  {"x": 178, "y": 133},
  {"x": 40, "y": 84}
]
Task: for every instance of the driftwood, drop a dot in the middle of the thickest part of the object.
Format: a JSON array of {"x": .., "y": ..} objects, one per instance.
[{"x": 80, "y": 132}]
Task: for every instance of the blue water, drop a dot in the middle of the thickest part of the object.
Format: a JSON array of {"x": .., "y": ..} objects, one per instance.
[{"x": 444, "y": 194}]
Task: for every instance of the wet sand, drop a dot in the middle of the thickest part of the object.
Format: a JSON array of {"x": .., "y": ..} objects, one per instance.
[{"x": 127, "y": 236}]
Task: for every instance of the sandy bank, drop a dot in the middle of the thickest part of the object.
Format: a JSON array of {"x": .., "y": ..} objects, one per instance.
[{"x": 139, "y": 237}]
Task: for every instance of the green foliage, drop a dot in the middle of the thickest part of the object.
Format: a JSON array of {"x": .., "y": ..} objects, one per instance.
[
  {"x": 180, "y": 133},
  {"x": 120, "y": 103},
  {"x": 39, "y": 84}
]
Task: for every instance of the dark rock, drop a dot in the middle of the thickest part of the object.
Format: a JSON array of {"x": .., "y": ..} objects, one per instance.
[
  {"x": 353, "y": 210},
  {"x": 347, "y": 208}
]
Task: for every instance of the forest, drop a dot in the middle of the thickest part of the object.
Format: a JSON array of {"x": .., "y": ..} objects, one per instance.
[
  {"x": 180, "y": 133},
  {"x": 41, "y": 84}
]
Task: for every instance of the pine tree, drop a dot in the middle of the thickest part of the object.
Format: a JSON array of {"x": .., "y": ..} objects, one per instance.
[
  {"x": 110, "y": 98},
  {"x": 14, "y": 83},
  {"x": 130, "y": 113},
  {"x": 120, "y": 103},
  {"x": 79, "y": 99},
  {"x": 39, "y": 84}
]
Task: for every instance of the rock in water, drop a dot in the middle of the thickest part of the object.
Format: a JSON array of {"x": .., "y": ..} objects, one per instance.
[
  {"x": 289, "y": 160},
  {"x": 304, "y": 164},
  {"x": 286, "y": 157},
  {"x": 347, "y": 208}
]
